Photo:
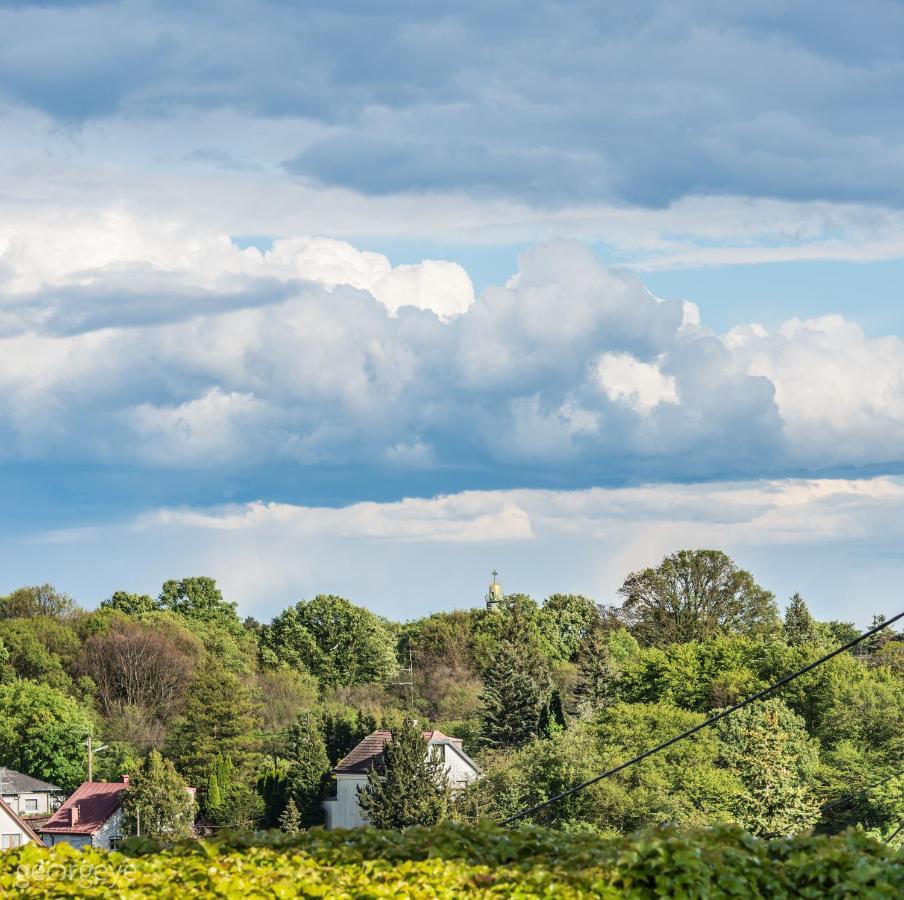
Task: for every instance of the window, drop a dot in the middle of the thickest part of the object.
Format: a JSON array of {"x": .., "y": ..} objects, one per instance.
[
  {"x": 115, "y": 842},
  {"x": 31, "y": 804},
  {"x": 10, "y": 840}
]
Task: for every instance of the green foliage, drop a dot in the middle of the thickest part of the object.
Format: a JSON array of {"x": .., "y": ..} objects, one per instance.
[
  {"x": 567, "y": 621},
  {"x": 452, "y": 861},
  {"x": 308, "y": 767},
  {"x": 695, "y": 595},
  {"x": 517, "y": 682},
  {"x": 36, "y": 652},
  {"x": 767, "y": 746},
  {"x": 340, "y": 643},
  {"x": 290, "y": 820},
  {"x": 800, "y": 626},
  {"x": 131, "y": 604},
  {"x": 158, "y": 800},
  {"x": 218, "y": 718},
  {"x": 42, "y": 733},
  {"x": 42, "y": 600},
  {"x": 412, "y": 788},
  {"x": 199, "y": 599}
]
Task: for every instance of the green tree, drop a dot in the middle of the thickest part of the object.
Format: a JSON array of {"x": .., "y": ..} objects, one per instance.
[
  {"x": 131, "y": 604},
  {"x": 800, "y": 626},
  {"x": 309, "y": 765},
  {"x": 290, "y": 820},
  {"x": 598, "y": 672},
  {"x": 695, "y": 595},
  {"x": 158, "y": 798},
  {"x": 517, "y": 686},
  {"x": 412, "y": 788},
  {"x": 218, "y": 718},
  {"x": 199, "y": 599},
  {"x": 767, "y": 746},
  {"x": 34, "y": 601},
  {"x": 340, "y": 643},
  {"x": 42, "y": 733},
  {"x": 567, "y": 620}
]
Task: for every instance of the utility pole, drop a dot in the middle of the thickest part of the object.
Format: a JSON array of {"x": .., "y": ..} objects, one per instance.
[
  {"x": 90, "y": 760},
  {"x": 137, "y": 821}
]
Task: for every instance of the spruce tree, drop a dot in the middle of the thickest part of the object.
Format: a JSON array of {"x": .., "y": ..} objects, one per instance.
[
  {"x": 290, "y": 820},
  {"x": 412, "y": 789},
  {"x": 598, "y": 672},
  {"x": 767, "y": 746},
  {"x": 309, "y": 766},
  {"x": 218, "y": 719},
  {"x": 800, "y": 626},
  {"x": 516, "y": 687}
]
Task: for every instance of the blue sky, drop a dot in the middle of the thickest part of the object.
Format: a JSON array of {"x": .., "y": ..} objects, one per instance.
[{"x": 302, "y": 296}]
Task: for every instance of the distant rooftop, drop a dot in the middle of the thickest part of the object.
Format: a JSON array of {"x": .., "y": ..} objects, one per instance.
[
  {"x": 369, "y": 753},
  {"x": 16, "y": 783},
  {"x": 93, "y": 803}
]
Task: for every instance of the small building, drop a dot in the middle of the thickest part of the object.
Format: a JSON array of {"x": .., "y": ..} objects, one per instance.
[
  {"x": 14, "y": 830},
  {"x": 91, "y": 817},
  {"x": 351, "y": 773},
  {"x": 29, "y": 796}
]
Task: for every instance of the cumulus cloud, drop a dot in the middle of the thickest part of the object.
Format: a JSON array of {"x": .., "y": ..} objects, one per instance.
[{"x": 313, "y": 353}]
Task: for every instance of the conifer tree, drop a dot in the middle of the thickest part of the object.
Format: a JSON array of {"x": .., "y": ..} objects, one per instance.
[
  {"x": 158, "y": 799},
  {"x": 413, "y": 787},
  {"x": 290, "y": 820},
  {"x": 516, "y": 687},
  {"x": 800, "y": 626},
  {"x": 766, "y": 745},
  {"x": 309, "y": 766},
  {"x": 218, "y": 719},
  {"x": 594, "y": 688}
]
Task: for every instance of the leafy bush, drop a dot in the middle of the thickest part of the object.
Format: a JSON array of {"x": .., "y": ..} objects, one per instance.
[{"x": 451, "y": 860}]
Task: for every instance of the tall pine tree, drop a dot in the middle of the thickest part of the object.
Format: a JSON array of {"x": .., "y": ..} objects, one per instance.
[
  {"x": 517, "y": 685},
  {"x": 800, "y": 626},
  {"x": 412, "y": 789}
]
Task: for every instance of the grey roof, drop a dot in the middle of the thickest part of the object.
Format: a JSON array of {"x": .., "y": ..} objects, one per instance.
[{"x": 17, "y": 783}]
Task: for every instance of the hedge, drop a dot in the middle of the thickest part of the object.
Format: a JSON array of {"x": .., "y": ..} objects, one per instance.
[{"x": 452, "y": 860}]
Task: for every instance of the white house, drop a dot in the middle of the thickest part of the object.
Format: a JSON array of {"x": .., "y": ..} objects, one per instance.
[
  {"x": 351, "y": 773},
  {"x": 29, "y": 796},
  {"x": 14, "y": 830},
  {"x": 91, "y": 817}
]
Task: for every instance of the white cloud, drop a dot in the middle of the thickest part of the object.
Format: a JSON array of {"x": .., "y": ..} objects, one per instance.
[
  {"x": 641, "y": 385},
  {"x": 826, "y": 538},
  {"x": 228, "y": 356}
]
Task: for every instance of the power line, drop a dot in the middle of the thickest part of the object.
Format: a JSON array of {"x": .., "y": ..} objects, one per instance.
[
  {"x": 711, "y": 721},
  {"x": 895, "y": 833}
]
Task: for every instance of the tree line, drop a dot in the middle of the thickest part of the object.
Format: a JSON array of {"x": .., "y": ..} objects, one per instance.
[{"x": 544, "y": 694}]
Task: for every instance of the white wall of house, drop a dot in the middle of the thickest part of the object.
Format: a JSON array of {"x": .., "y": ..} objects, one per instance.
[
  {"x": 11, "y": 834},
  {"x": 30, "y": 804},
  {"x": 109, "y": 832},
  {"x": 343, "y": 812},
  {"x": 105, "y": 837}
]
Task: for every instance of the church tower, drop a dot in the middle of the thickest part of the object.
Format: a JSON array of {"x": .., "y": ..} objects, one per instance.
[{"x": 494, "y": 594}]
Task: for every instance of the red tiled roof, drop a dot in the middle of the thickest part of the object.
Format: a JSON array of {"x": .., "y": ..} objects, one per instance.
[
  {"x": 369, "y": 753},
  {"x": 97, "y": 801},
  {"x": 26, "y": 828}
]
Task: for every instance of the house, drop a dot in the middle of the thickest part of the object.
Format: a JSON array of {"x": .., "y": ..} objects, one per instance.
[
  {"x": 14, "y": 830},
  {"x": 29, "y": 796},
  {"x": 91, "y": 817},
  {"x": 351, "y": 773}
]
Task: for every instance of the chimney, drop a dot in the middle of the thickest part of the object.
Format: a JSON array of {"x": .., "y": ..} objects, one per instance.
[
  {"x": 74, "y": 811},
  {"x": 125, "y": 780}
]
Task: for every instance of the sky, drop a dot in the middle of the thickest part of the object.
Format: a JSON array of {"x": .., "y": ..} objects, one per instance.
[{"x": 373, "y": 299}]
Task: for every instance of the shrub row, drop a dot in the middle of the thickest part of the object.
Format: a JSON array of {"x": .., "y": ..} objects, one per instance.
[{"x": 453, "y": 860}]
